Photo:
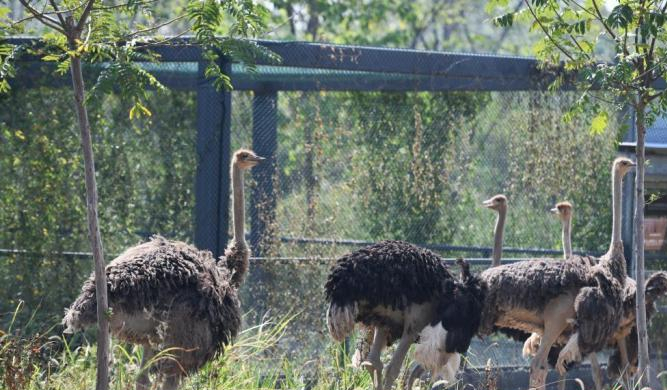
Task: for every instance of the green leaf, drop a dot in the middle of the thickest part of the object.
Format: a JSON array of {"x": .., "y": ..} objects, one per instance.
[
  {"x": 504, "y": 20},
  {"x": 599, "y": 123},
  {"x": 620, "y": 16}
]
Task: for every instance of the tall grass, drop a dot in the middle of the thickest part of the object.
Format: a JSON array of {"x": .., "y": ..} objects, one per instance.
[{"x": 252, "y": 362}]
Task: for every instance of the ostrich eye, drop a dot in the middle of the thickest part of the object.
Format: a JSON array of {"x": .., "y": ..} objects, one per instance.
[{"x": 244, "y": 155}]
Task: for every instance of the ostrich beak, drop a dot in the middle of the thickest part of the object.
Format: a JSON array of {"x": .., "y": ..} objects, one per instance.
[
  {"x": 487, "y": 203},
  {"x": 256, "y": 159},
  {"x": 554, "y": 210}
]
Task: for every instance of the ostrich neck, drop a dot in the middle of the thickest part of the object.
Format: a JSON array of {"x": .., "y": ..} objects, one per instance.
[
  {"x": 239, "y": 212},
  {"x": 617, "y": 181},
  {"x": 567, "y": 238},
  {"x": 498, "y": 238},
  {"x": 614, "y": 259}
]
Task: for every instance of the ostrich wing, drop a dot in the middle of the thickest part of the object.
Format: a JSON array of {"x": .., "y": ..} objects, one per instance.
[{"x": 598, "y": 311}]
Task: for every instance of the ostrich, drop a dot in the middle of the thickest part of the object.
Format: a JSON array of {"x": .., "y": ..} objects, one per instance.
[
  {"x": 564, "y": 210},
  {"x": 397, "y": 288},
  {"x": 623, "y": 362},
  {"x": 624, "y": 359},
  {"x": 168, "y": 295},
  {"x": 556, "y": 297},
  {"x": 575, "y": 301}
]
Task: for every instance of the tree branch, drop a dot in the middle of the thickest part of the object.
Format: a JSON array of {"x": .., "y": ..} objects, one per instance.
[
  {"x": 57, "y": 11},
  {"x": 45, "y": 19},
  {"x": 108, "y": 7},
  {"x": 601, "y": 19},
  {"x": 650, "y": 52},
  {"x": 156, "y": 27},
  {"x": 84, "y": 15},
  {"x": 561, "y": 48}
]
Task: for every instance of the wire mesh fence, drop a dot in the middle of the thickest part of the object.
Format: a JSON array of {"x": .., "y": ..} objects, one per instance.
[{"x": 376, "y": 161}]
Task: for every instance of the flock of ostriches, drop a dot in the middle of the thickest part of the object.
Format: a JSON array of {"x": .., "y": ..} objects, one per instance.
[{"x": 170, "y": 295}]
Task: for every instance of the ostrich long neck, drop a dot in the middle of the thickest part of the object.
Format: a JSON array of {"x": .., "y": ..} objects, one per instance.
[
  {"x": 238, "y": 205},
  {"x": 614, "y": 259},
  {"x": 498, "y": 238},
  {"x": 617, "y": 182},
  {"x": 567, "y": 237}
]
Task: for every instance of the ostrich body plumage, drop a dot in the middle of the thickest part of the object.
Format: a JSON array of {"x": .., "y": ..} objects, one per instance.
[
  {"x": 166, "y": 294},
  {"x": 518, "y": 293},
  {"x": 400, "y": 288},
  {"x": 382, "y": 280}
]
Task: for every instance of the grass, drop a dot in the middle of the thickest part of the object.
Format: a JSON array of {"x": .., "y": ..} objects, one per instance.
[
  {"x": 41, "y": 363},
  {"x": 256, "y": 361}
]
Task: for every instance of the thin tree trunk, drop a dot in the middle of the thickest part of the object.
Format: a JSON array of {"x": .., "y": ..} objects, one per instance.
[
  {"x": 645, "y": 371},
  {"x": 93, "y": 227}
]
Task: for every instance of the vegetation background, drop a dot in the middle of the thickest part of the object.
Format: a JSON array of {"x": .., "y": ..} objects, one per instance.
[{"x": 365, "y": 166}]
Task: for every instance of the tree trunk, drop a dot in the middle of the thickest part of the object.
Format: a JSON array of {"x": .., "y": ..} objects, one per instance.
[
  {"x": 645, "y": 371},
  {"x": 93, "y": 226}
]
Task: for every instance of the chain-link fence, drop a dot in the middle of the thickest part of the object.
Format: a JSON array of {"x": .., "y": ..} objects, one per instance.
[{"x": 355, "y": 156}]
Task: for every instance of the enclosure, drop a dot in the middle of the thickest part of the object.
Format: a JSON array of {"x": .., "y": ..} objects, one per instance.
[{"x": 363, "y": 144}]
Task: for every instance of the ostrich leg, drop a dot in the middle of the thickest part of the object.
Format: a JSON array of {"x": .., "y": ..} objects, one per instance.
[
  {"x": 364, "y": 341},
  {"x": 595, "y": 370},
  {"x": 414, "y": 372},
  {"x": 625, "y": 362},
  {"x": 373, "y": 364},
  {"x": 394, "y": 366},
  {"x": 171, "y": 382},
  {"x": 555, "y": 321},
  {"x": 143, "y": 381}
]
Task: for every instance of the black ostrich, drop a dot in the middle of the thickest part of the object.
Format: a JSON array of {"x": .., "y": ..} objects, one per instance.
[
  {"x": 168, "y": 295},
  {"x": 397, "y": 289}
]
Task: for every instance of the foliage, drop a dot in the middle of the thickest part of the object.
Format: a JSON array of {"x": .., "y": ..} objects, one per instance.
[
  {"x": 42, "y": 209},
  {"x": 405, "y": 161}
]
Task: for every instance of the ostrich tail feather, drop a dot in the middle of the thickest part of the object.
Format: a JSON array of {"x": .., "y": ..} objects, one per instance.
[{"x": 341, "y": 319}]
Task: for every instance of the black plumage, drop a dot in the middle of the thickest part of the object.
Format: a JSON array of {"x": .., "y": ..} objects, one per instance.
[
  {"x": 400, "y": 288},
  {"x": 460, "y": 313},
  {"x": 390, "y": 273}
]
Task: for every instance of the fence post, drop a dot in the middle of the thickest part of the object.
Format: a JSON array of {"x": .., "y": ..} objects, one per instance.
[
  {"x": 264, "y": 143},
  {"x": 213, "y": 157}
]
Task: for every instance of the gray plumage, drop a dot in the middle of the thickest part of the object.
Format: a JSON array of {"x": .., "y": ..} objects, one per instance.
[
  {"x": 166, "y": 294},
  {"x": 656, "y": 287},
  {"x": 530, "y": 285}
]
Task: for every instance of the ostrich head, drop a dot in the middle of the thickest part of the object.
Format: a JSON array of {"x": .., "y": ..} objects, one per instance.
[
  {"x": 246, "y": 159},
  {"x": 563, "y": 210},
  {"x": 623, "y": 165},
  {"x": 498, "y": 202}
]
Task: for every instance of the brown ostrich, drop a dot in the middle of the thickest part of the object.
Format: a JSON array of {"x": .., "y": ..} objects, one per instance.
[
  {"x": 577, "y": 303},
  {"x": 168, "y": 295},
  {"x": 570, "y": 297},
  {"x": 564, "y": 211}
]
